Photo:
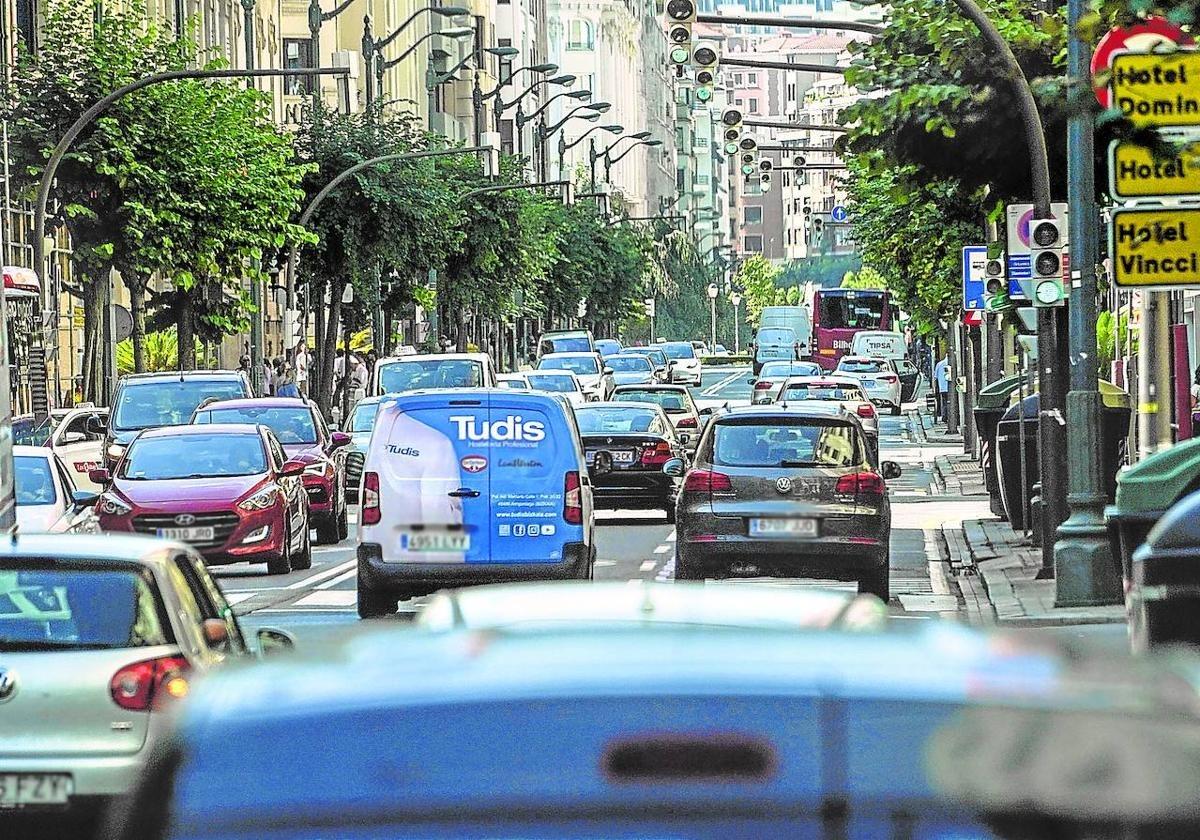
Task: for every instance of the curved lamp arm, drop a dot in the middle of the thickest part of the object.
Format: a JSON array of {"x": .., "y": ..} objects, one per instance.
[{"x": 614, "y": 129}]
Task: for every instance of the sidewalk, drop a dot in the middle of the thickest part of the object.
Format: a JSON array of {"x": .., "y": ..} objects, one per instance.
[
  {"x": 955, "y": 473},
  {"x": 996, "y": 567}
]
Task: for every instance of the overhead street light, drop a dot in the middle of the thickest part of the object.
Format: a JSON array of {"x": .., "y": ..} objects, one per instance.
[{"x": 372, "y": 48}]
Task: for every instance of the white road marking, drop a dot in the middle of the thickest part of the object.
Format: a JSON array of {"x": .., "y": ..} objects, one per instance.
[
  {"x": 671, "y": 537},
  {"x": 662, "y": 549},
  {"x": 340, "y": 598},
  {"x": 647, "y": 565},
  {"x": 332, "y": 582},
  {"x": 237, "y": 597},
  {"x": 711, "y": 390},
  {"x": 305, "y": 583},
  {"x": 606, "y": 563}
]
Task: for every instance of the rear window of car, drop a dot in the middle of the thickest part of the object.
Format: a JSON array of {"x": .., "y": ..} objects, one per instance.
[
  {"x": 807, "y": 442},
  {"x": 363, "y": 419},
  {"x": 777, "y": 369},
  {"x": 671, "y": 402},
  {"x": 862, "y": 366},
  {"x": 679, "y": 351},
  {"x": 169, "y": 402},
  {"x": 581, "y": 364},
  {"x": 838, "y": 393},
  {"x": 73, "y": 608},
  {"x": 290, "y": 425},
  {"x": 628, "y": 364},
  {"x": 614, "y": 420},
  {"x": 568, "y": 344},
  {"x": 776, "y": 335},
  {"x": 34, "y": 481},
  {"x": 412, "y": 374},
  {"x": 555, "y": 383},
  {"x": 221, "y": 455}
]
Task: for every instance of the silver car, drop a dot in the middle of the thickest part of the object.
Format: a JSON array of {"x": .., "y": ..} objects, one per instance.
[
  {"x": 676, "y": 401},
  {"x": 98, "y": 641},
  {"x": 362, "y": 420},
  {"x": 843, "y": 390},
  {"x": 780, "y": 491}
]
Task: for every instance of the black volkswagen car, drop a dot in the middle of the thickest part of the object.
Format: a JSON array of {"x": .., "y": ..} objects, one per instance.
[
  {"x": 786, "y": 492},
  {"x": 647, "y": 456}
]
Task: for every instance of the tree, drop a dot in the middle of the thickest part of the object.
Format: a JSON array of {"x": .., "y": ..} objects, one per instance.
[
  {"x": 756, "y": 278},
  {"x": 864, "y": 278}
]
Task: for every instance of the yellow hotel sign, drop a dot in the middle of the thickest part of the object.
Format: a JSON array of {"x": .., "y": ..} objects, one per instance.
[
  {"x": 1135, "y": 173},
  {"x": 1157, "y": 89},
  {"x": 1155, "y": 247}
]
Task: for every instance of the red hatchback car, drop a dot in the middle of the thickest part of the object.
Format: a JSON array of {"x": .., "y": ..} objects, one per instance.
[
  {"x": 227, "y": 490},
  {"x": 305, "y": 437}
]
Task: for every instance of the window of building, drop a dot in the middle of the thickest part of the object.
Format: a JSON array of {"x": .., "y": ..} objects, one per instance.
[
  {"x": 739, "y": 102},
  {"x": 297, "y": 55},
  {"x": 752, "y": 105},
  {"x": 701, "y": 179},
  {"x": 702, "y": 142},
  {"x": 752, "y": 215},
  {"x": 737, "y": 78},
  {"x": 506, "y": 137},
  {"x": 506, "y": 64},
  {"x": 27, "y": 21},
  {"x": 680, "y": 179},
  {"x": 580, "y": 35},
  {"x": 752, "y": 244},
  {"x": 752, "y": 78}
]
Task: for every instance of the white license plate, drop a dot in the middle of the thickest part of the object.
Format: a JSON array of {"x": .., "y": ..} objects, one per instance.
[
  {"x": 34, "y": 789},
  {"x": 783, "y": 527},
  {"x": 622, "y": 456},
  {"x": 435, "y": 541},
  {"x": 199, "y": 534}
]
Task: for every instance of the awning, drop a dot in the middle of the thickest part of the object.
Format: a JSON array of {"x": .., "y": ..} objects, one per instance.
[{"x": 21, "y": 282}]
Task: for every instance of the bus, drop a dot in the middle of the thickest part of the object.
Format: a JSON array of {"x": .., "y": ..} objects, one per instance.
[{"x": 837, "y": 314}]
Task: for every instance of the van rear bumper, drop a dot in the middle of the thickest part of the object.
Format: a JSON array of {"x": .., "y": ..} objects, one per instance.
[{"x": 420, "y": 578}]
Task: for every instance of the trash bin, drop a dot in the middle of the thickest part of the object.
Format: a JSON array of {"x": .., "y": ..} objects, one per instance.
[
  {"x": 1144, "y": 493},
  {"x": 1008, "y": 460},
  {"x": 1164, "y": 597},
  {"x": 990, "y": 405}
]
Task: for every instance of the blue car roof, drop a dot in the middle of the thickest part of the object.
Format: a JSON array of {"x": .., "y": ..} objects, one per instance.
[{"x": 410, "y": 725}]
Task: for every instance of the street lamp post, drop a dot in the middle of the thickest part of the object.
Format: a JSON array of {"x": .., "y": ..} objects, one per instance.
[
  {"x": 736, "y": 300},
  {"x": 565, "y": 80},
  {"x": 371, "y": 48},
  {"x": 316, "y": 17},
  {"x": 713, "y": 291},
  {"x": 382, "y": 66},
  {"x": 544, "y": 132},
  {"x": 610, "y": 162},
  {"x": 564, "y": 146}
]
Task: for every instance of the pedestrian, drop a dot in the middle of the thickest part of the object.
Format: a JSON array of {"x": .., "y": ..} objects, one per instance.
[
  {"x": 285, "y": 377},
  {"x": 941, "y": 384},
  {"x": 358, "y": 379},
  {"x": 268, "y": 369},
  {"x": 1196, "y": 389},
  {"x": 301, "y": 368}
]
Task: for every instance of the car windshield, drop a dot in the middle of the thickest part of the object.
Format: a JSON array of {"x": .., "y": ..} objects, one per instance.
[
  {"x": 628, "y": 364},
  {"x": 412, "y": 374},
  {"x": 584, "y": 365},
  {"x": 672, "y": 402},
  {"x": 363, "y": 419},
  {"x": 169, "y": 402},
  {"x": 782, "y": 369},
  {"x": 194, "y": 456},
  {"x": 551, "y": 382},
  {"x": 31, "y": 434},
  {"x": 776, "y": 335},
  {"x": 613, "y": 420},
  {"x": 840, "y": 393},
  {"x": 679, "y": 351},
  {"x": 49, "y": 607},
  {"x": 785, "y": 442},
  {"x": 862, "y": 366},
  {"x": 290, "y": 425},
  {"x": 34, "y": 480},
  {"x": 569, "y": 344}
]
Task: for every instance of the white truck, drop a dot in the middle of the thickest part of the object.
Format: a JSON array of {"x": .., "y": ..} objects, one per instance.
[{"x": 795, "y": 318}]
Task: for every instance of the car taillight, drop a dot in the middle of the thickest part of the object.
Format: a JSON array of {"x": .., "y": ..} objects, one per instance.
[
  {"x": 572, "y": 499},
  {"x": 762, "y": 385},
  {"x": 150, "y": 684},
  {"x": 370, "y": 499},
  {"x": 866, "y": 410},
  {"x": 706, "y": 481},
  {"x": 889, "y": 378},
  {"x": 687, "y": 423},
  {"x": 861, "y": 484}
]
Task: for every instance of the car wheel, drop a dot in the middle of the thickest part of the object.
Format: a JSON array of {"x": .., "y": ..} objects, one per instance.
[
  {"x": 327, "y": 530},
  {"x": 282, "y": 564},
  {"x": 302, "y": 559},
  {"x": 876, "y": 582},
  {"x": 373, "y": 604},
  {"x": 343, "y": 523}
]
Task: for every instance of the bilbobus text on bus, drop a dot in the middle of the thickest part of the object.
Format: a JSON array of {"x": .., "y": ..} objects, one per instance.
[{"x": 837, "y": 314}]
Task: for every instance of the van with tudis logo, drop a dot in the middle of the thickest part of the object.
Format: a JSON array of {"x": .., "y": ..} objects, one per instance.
[{"x": 469, "y": 486}]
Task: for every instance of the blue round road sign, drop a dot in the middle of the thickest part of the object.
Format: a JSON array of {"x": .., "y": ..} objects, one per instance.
[{"x": 839, "y": 214}]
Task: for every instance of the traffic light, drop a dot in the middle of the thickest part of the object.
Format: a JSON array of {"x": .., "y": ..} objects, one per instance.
[
  {"x": 799, "y": 160},
  {"x": 994, "y": 284},
  {"x": 764, "y": 180},
  {"x": 681, "y": 14},
  {"x": 765, "y": 166},
  {"x": 731, "y": 128},
  {"x": 704, "y": 59},
  {"x": 748, "y": 155},
  {"x": 1046, "y": 242}
]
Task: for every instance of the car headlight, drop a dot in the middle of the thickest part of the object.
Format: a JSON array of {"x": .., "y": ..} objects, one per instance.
[
  {"x": 318, "y": 468},
  {"x": 110, "y": 505},
  {"x": 116, "y": 450},
  {"x": 261, "y": 500}
]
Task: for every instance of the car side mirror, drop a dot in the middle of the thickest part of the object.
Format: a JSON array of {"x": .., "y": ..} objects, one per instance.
[
  {"x": 73, "y": 437},
  {"x": 272, "y": 642},
  {"x": 339, "y": 439},
  {"x": 215, "y": 632},
  {"x": 890, "y": 470},
  {"x": 291, "y": 469},
  {"x": 674, "y": 467},
  {"x": 602, "y": 463},
  {"x": 706, "y": 412},
  {"x": 95, "y": 426},
  {"x": 608, "y": 371},
  {"x": 99, "y": 475},
  {"x": 751, "y": 381},
  {"x": 84, "y": 498}
]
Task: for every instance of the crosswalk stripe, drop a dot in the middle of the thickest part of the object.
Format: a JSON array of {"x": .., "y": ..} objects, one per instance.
[
  {"x": 238, "y": 597},
  {"x": 647, "y": 565},
  {"x": 328, "y": 598},
  {"x": 662, "y": 549}
]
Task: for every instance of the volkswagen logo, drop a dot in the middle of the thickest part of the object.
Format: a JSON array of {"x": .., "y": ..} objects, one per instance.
[
  {"x": 185, "y": 519},
  {"x": 8, "y": 685},
  {"x": 783, "y": 485}
]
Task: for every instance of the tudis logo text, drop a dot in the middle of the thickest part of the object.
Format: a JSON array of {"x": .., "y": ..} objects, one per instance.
[
  {"x": 510, "y": 428},
  {"x": 404, "y": 450}
]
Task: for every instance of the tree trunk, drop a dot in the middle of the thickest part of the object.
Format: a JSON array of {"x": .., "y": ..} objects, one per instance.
[
  {"x": 328, "y": 348},
  {"x": 186, "y": 325},
  {"x": 95, "y": 299},
  {"x": 461, "y": 322},
  {"x": 137, "y": 309},
  {"x": 316, "y": 297}
]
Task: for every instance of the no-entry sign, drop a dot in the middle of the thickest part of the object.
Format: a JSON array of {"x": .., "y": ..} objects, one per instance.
[{"x": 1152, "y": 35}]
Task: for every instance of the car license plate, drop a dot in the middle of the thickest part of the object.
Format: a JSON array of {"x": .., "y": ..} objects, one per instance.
[
  {"x": 622, "y": 456},
  {"x": 18, "y": 789},
  {"x": 198, "y": 534},
  {"x": 436, "y": 541},
  {"x": 783, "y": 527}
]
